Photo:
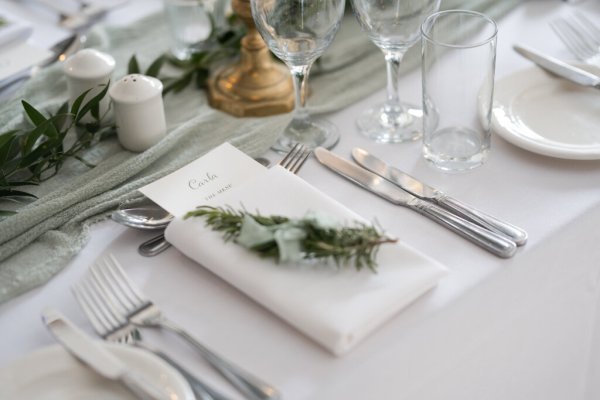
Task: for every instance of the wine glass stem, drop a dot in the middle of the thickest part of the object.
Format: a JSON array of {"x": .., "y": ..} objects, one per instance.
[
  {"x": 393, "y": 59},
  {"x": 300, "y": 77}
]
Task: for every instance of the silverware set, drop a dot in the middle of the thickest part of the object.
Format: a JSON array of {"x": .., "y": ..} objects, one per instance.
[
  {"x": 490, "y": 233},
  {"x": 117, "y": 309}
]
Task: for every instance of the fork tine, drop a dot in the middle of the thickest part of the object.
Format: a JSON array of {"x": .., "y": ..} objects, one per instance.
[
  {"x": 81, "y": 296},
  {"x": 579, "y": 35},
  {"x": 121, "y": 286},
  {"x": 295, "y": 158}
]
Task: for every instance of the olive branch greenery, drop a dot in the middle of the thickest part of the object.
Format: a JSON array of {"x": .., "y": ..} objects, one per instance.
[
  {"x": 222, "y": 44},
  {"x": 32, "y": 155},
  {"x": 316, "y": 240}
]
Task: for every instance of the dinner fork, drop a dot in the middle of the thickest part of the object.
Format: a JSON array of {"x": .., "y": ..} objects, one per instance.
[
  {"x": 141, "y": 312},
  {"x": 107, "y": 319},
  {"x": 295, "y": 158},
  {"x": 581, "y": 36}
]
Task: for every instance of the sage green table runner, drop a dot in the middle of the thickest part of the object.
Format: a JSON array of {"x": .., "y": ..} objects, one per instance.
[{"x": 44, "y": 236}]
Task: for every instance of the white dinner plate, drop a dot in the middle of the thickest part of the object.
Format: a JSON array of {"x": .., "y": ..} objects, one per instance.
[
  {"x": 53, "y": 374},
  {"x": 548, "y": 115}
]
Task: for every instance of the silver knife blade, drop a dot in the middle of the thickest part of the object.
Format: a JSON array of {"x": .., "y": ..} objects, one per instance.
[
  {"x": 426, "y": 192},
  {"x": 562, "y": 69},
  {"x": 488, "y": 240},
  {"x": 97, "y": 357}
]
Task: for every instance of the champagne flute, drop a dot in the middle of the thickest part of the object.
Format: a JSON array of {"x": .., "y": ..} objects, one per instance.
[
  {"x": 394, "y": 26},
  {"x": 298, "y": 32}
]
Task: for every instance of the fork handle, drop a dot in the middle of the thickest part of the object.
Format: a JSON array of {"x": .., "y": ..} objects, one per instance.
[
  {"x": 252, "y": 387},
  {"x": 201, "y": 389}
]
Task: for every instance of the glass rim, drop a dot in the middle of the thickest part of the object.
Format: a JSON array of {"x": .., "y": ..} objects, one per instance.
[{"x": 484, "y": 17}]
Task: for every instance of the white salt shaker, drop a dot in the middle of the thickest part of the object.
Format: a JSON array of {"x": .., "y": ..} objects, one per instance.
[
  {"x": 88, "y": 69},
  {"x": 139, "y": 111}
]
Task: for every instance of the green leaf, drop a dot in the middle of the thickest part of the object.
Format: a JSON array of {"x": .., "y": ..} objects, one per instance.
[
  {"x": 202, "y": 78},
  {"x": 60, "y": 119},
  {"x": 34, "y": 115},
  {"x": 95, "y": 101},
  {"x": 77, "y": 103},
  {"x": 7, "y": 213},
  {"x": 133, "y": 67},
  {"x": 154, "y": 68},
  {"x": 11, "y": 193}
]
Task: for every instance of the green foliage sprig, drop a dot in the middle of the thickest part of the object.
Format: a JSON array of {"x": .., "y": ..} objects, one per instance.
[
  {"x": 356, "y": 244},
  {"x": 30, "y": 156},
  {"x": 221, "y": 45}
]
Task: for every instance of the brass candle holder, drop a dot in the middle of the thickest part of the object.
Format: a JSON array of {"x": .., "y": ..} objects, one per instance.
[{"x": 255, "y": 86}]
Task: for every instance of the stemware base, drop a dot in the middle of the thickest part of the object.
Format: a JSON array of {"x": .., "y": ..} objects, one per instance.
[
  {"x": 387, "y": 125},
  {"x": 311, "y": 133}
]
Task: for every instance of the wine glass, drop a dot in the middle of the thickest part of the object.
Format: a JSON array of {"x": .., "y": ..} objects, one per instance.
[
  {"x": 394, "y": 26},
  {"x": 298, "y": 32}
]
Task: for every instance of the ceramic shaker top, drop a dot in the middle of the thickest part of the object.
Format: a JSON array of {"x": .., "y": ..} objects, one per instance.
[
  {"x": 89, "y": 64},
  {"x": 135, "y": 88}
]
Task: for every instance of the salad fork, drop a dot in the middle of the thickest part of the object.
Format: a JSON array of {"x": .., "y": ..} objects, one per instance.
[
  {"x": 109, "y": 323},
  {"x": 581, "y": 37},
  {"x": 141, "y": 312}
]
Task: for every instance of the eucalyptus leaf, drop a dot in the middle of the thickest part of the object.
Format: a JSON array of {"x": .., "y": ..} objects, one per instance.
[
  {"x": 77, "y": 103},
  {"x": 154, "y": 68},
  {"x": 133, "y": 67}
]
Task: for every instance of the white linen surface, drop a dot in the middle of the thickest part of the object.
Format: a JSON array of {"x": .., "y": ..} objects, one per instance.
[
  {"x": 336, "y": 307},
  {"x": 14, "y": 29}
]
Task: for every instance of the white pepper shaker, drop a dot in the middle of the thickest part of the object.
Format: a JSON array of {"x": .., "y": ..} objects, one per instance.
[
  {"x": 139, "y": 111},
  {"x": 88, "y": 69}
]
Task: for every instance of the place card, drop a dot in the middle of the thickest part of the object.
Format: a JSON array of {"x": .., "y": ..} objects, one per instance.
[{"x": 203, "y": 180}]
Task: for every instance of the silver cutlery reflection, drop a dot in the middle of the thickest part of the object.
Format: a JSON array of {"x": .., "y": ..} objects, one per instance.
[
  {"x": 141, "y": 312},
  {"x": 109, "y": 321},
  {"x": 97, "y": 358},
  {"x": 559, "y": 68},
  {"x": 581, "y": 36},
  {"x": 426, "y": 192},
  {"x": 482, "y": 237}
]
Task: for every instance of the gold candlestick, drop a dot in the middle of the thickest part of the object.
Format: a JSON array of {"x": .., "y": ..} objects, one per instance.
[{"x": 255, "y": 86}]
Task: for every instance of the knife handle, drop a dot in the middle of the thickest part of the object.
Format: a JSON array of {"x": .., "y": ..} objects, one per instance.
[
  {"x": 482, "y": 237},
  {"x": 517, "y": 235}
]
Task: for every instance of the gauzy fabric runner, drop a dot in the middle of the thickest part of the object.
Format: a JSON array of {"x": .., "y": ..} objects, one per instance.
[{"x": 44, "y": 236}]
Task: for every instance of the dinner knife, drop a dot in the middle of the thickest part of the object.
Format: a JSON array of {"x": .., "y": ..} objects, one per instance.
[
  {"x": 426, "y": 192},
  {"x": 562, "y": 69},
  {"x": 484, "y": 238},
  {"x": 97, "y": 358}
]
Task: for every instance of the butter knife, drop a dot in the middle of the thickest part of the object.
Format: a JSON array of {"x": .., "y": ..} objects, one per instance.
[
  {"x": 482, "y": 237},
  {"x": 562, "y": 69},
  {"x": 426, "y": 192},
  {"x": 97, "y": 358}
]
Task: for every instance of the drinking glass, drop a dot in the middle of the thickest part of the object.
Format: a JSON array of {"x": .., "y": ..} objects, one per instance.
[
  {"x": 298, "y": 32},
  {"x": 394, "y": 26},
  {"x": 190, "y": 24}
]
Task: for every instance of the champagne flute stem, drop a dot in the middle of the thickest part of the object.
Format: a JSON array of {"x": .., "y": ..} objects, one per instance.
[
  {"x": 393, "y": 59},
  {"x": 300, "y": 77}
]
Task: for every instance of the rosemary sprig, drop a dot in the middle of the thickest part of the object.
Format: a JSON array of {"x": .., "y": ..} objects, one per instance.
[
  {"x": 32, "y": 155},
  {"x": 279, "y": 237}
]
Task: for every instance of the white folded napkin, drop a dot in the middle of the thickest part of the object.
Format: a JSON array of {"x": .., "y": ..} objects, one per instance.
[
  {"x": 337, "y": 307},
  {"x": 13, "y": 29}
]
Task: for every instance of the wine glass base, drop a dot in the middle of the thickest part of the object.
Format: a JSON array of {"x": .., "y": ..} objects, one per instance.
[
  {"x": 395, "y": 126},
  {"x": 311, "y": 133}
]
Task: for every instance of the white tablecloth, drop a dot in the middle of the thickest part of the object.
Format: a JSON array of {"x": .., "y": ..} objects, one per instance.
[{"x": 524, "y": 328}]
